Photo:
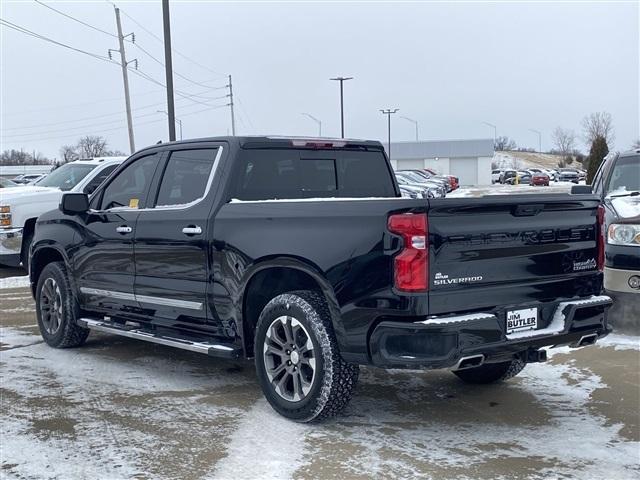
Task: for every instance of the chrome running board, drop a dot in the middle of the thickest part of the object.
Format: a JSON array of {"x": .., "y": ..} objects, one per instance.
[{"x": 213, "y": 349}]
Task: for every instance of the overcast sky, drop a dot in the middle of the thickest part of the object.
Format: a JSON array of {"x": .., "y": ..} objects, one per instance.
[{"x": 517, "y": 65}]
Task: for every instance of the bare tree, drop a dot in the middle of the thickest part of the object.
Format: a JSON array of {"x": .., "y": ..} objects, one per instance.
[
  {"x": 92, "y": 146},
  {"x": 19, "y": 157},
  {"x": 564, "y": 140},
  {"x": 69, "y": 153},
  {"x": 504, "y": 143},
  {"x": 597, "y": 124}
]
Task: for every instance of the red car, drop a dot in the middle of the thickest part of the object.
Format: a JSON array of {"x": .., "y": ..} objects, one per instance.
[
  {"x": 540, "y": 178},
  {"x": 453, "y": 181}
]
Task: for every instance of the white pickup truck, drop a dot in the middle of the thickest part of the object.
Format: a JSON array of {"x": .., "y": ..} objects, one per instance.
[{"x": 21, "y": 206}]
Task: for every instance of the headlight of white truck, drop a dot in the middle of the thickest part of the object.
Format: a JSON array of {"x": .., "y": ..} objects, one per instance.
[
  {"x": 5, "y": 216},
  {"x": 624, "y": 234}
]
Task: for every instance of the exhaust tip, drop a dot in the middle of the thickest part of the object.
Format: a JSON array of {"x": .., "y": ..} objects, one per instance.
[
  {"x": 586, "y": 340},
  {"x": 469, "y": 362}
]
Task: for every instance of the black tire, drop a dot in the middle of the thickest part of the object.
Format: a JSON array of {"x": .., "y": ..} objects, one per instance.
[
  {"x": 25, "y": 258},
  {"x": 331, "y": 384},
  {"x": 57, "y": 309},
  {"x": 491, "y": 372}
]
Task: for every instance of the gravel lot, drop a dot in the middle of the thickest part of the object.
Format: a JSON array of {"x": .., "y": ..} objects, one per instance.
[{"x": 118, "y": 409}]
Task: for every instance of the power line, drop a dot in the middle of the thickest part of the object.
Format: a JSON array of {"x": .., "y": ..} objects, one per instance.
[
  {"x": 26, "y": 31},
  {"x": 119, "y": 128},
  {"x": 76, "y": 20},
  {"x": 173, "y": 49},
  {"x": 109, "y": 122},
  {"x": 93, "y": 117}
]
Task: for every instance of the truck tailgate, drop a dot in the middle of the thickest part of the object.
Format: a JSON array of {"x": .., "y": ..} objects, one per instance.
[{"x": 508, "y": 250}]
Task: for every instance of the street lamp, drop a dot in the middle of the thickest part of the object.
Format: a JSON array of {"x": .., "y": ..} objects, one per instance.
[
  {"x": 341, "y": 80},
  {"x": 415, "y": 122},
  {"x": 388, "y": 113},
  {"x": 539, "y": 139},
  {"x": 315, "y": 120},
  {"x": 495, "y": 131},
  {"x": 179, "y": 122}
]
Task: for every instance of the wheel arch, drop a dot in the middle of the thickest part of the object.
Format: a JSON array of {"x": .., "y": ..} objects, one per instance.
[
  {"x": 41, "y": 257},
  {"x": 272, "y": 276}
]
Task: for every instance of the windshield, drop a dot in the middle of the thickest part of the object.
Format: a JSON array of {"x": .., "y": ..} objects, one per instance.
[
  {"x": 414, "y": 177},
  {"x": 66, "y": 177},
  {"x": 625, "y": 176}
]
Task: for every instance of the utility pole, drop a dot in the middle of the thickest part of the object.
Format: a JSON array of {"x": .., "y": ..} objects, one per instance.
[
  {"x": 177, "y": 120},
  {"x": 495, "y": 131},
  {"x": 315, "y": 120},
  {"x": 233, "y": 118},
  {"x": 341, "y": 80},
  {"x": 125, "y": 78},
  {"x": 415, "y": 123},
  {"x": 168, "y": 63},
  {"x": 388, "y": 113},
  {"x": 539, "y": 139}
]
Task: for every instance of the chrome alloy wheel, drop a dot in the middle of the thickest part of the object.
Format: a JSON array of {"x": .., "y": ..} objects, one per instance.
[
  {"x": 289, "y": 358},
  {"x": 51, "y": 306}
]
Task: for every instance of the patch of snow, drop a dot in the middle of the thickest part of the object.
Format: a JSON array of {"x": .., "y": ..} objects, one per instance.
[
  {"x": 265, "y": 446},
  {"x": 620, "y": 342},
  {"x": 15, "y": 282},
  {"x": 557, "y": 324},
  {"x": 458, "y": 319},
  {"x": 627, "y": 207}
]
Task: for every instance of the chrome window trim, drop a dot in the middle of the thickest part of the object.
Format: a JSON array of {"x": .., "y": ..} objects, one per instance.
[
  {"x": 168, "y": 302},
  {"x": 212, "y": 174}
]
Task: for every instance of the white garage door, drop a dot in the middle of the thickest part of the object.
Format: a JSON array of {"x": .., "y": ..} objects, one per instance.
[
  {"x": 466, "y": 169},
  {"x": 408, "y": 164}
]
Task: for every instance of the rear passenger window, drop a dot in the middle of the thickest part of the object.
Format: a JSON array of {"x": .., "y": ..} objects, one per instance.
[
  {"x": 292, "y": 174},
  {"x": 186, "y": 177}
]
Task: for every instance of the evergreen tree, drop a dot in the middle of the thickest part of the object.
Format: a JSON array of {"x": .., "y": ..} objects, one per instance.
[{"x": 599, "y": 150}]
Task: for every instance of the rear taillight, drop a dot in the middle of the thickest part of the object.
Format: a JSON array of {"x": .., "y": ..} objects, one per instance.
[
  {"x": 411, "y": 265},
  {"x": 600, "y": 240}
]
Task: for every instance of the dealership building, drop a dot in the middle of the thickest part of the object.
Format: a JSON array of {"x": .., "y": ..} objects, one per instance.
[{"x": 469, "y": 160}]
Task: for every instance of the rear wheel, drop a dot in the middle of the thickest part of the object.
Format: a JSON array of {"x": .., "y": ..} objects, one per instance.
[
  {"x": 300, "y": 369},
  {"x": 491, "y": 372},
  {"x": 57, "y": 309}
]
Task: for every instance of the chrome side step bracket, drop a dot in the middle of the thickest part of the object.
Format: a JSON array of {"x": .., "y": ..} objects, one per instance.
[{"x": 213, "y": 349}]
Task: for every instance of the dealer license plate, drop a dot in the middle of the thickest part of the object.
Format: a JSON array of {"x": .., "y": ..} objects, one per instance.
[{"x": 521, "y": 320}]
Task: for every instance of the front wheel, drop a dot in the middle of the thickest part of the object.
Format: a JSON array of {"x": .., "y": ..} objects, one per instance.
[
  {"x": 57, "y": 309},
  {"x": 491, "y": 372},
  {"x": 299, "y": 366}
]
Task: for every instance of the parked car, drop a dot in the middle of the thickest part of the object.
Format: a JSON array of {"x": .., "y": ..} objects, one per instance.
[
  {"x": 6, "y": 183},
  {"x": 35, "y": 180},
  {"x": 539, "y": 178},
  {"x": 408, "y": 191},
  {"x": 553, "y": 174},
  {"x": 521, "y": 177},
  {"x": 301, "y": 255},
  {"x": 568, "y": 175},
  {"x": 617, "y": 183},
  {"x": 495, "y": 176},
  {"x": 409, "y": 177},
  {"x": 441, "y": 181},
  {"x": 26, "y": 178},
  {"x": 21, "y": 206},
  {"x": 507, "y": 176},
  {"x": 451, "y": 182}
]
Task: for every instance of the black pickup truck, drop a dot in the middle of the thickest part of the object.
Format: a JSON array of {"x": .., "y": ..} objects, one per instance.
[{"x": 301, "y": 254}]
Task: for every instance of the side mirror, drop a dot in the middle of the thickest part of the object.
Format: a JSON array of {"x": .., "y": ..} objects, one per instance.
[
  {"x": 74, "y": 203},
  {"x": 581, "y": 190}
]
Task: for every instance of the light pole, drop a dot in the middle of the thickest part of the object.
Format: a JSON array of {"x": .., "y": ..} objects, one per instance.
[
  {"x": 178, "y": 121},
  {"x": 495, "y": 131},
  {"x": 341, "y": 80},
  {"x": 388, "y": 113},
  {"x": 539, "y": 139},
  {"x": 415, "y": 122},
  {"x": 315, "y": 120}
]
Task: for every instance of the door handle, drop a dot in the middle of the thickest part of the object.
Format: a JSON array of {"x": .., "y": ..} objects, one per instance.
[
  {"x": 192, "y": 230},
  {"x": 124, "y": 229}
]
